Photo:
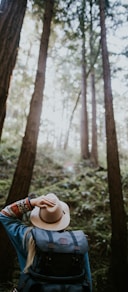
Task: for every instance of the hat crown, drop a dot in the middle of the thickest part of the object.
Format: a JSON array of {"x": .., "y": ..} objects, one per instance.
[
  {"x": 55, "y": 217},
  {"x": 51, "y": 214}
]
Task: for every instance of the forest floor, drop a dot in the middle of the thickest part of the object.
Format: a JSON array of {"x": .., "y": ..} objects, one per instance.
[{"x": 85, "y": 189}]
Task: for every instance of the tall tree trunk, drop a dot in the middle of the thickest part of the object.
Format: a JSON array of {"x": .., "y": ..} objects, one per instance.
[
  {"x": 118, "y": 216},
  {"x": 11, "y": 20},
  {"x": 70, "y": 122},
  {"x": 94, "y": 151},
  {"x": 23, "y": 173},
  {"x": 84, "y": 113}
]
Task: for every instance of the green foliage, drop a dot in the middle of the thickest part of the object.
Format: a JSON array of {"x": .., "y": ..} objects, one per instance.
[
  {"x": 38, "y": 6},
  {"x": 8, "y": 159},
  {"x": 83, "y": 188}
]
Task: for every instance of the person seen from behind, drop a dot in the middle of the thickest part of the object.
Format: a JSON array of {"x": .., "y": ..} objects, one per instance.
[{"x": 46, "y": 213}]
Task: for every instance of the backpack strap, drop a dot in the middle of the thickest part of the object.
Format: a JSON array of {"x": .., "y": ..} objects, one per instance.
[
  {"x": 54, "y": 279},
  {"x": 51, "y": 241},
  {"x": 76, "y": 245}
]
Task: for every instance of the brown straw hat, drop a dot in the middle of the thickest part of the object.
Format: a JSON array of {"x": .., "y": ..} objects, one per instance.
[{"x": 54, "y": 218}]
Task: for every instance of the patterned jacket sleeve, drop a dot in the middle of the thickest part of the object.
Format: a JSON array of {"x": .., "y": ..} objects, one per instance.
[{"x": 17, "y": 209}]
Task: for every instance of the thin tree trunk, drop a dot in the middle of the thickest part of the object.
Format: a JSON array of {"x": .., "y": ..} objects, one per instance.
[
  {"x": 70, "y": 122},
  {"x": 84, "y": 113},
  {"x": 23, "y": 174},
  {"x": 118, "y": 216},
  {"x": 94, "y": 151}
]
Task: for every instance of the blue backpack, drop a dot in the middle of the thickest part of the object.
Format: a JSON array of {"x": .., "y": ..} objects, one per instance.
[{"x": 58, "y": 264}]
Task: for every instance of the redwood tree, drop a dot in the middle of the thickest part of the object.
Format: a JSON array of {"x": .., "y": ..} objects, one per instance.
[
  {"x": 11, "y": 19},
  {"x": 23, "y": 173},
  {"x": 118, "y": 216}
]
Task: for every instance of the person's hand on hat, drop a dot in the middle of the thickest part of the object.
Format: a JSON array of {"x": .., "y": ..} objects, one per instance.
[{"x": 41, "y": 202}]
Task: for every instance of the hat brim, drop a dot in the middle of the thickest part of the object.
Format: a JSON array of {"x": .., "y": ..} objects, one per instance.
[{"x": 57, "y": 226}]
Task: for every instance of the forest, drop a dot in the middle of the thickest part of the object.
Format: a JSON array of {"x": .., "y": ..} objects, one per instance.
[{"x": 64, "y": 123}]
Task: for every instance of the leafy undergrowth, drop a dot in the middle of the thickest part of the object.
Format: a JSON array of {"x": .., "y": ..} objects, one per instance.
[{"x": 84, "y": 189}]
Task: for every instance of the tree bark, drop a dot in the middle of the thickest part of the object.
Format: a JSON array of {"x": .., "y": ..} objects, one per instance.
[
  {"x": 94, "y": 150},
  {"x": 11, "y": 20},
  {"x": 118, "y": 216},
  {"x": 2, "y": 121},
  {"x": 84, "y": 113},
  {"x": 23, "y": 173}
]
